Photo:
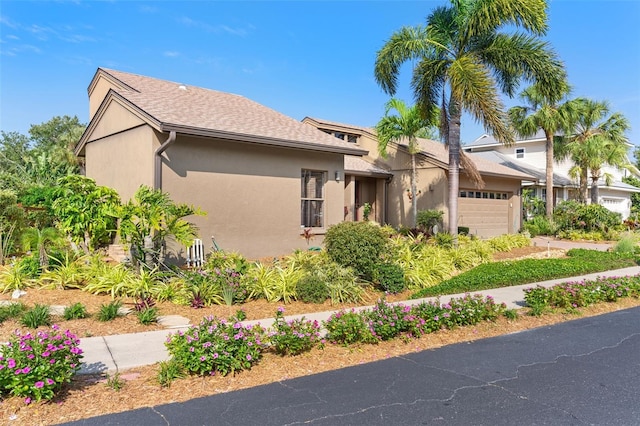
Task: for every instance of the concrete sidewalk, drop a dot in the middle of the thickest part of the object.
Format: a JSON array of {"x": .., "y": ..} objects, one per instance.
[{"x": 122, "y": 352}]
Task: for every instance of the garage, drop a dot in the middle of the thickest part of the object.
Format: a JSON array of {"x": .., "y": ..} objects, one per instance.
[{"x": 485, "y": 213}]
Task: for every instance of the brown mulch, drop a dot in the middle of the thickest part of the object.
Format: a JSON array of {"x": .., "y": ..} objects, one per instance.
[{"x": 89, "y": 396}]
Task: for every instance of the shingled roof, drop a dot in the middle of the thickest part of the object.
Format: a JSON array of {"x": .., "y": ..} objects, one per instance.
[{"x": 171, "y": 106}]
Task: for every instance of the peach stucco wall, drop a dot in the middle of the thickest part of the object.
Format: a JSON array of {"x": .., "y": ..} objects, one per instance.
[
  {"x": 251, "y": 193},
  {"x": 122, "y": 161}
]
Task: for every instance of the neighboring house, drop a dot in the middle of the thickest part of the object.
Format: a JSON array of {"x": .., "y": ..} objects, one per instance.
[
  {"x": 529, "y": 155},
  {"x": 384, "y": 184},
  {"x": 262, "y": 177}
]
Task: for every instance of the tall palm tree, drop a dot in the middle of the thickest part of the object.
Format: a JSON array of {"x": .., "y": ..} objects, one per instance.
[
  {"x": 551, "y": 115},
  {"x": 463, "y": 60},
  {"x": 407, "y": 125},
  {"x": 598, "y": 139}
]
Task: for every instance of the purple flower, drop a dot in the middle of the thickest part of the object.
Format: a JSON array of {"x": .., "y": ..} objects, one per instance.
[
  {"x": 249, "y": 358},
  {"x": 203, "y": 358},
  {"x": 11, "y": 363},
  {"x": 49, "y": 381},
  {"x": 27, "y": 400},
  {"x": 39, "y": 385}
]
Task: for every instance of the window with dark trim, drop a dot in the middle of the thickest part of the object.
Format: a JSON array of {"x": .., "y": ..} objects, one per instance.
[
  {"x": 519, "y": 152},
  {"x": 312, "y": 198}
]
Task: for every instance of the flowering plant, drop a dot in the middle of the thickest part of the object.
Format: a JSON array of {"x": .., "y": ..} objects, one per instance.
[
  {"x": 293, "y": 337},
  {"x": 36, "y": 366},
  {"x": 217, "y": 345}
]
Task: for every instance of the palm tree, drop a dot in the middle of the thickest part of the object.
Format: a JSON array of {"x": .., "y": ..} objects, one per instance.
[
  {"x": 463, "y": 60},
  {"x": 598, "y": 139},
  {"x": 41, "y": 240},
  {"x": 408, "y": 124},
  {"x": 550, "y": 115}
]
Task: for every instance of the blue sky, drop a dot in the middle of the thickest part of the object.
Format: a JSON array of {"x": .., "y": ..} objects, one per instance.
[{"x": 301, "y": 58}]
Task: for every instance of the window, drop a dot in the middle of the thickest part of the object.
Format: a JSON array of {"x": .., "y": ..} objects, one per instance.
[
  {"x": 352, "y": 138},
  {"x": 519, "y": 152},
  {"x": 312, "y": 195}
]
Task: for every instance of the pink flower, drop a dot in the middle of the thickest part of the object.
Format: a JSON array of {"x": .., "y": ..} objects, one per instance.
[{"x": 39, "y": 385}]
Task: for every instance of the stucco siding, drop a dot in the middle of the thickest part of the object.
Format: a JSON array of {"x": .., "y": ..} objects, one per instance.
[
  {"x": 252, "y": 194},
  {"x": 97, "y": 93},
  {"x": 123, "y": 161},
  {"x": 117, "y": 118}
]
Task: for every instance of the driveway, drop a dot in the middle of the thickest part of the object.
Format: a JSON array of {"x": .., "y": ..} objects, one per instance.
[{"x": 585, "y": 371}]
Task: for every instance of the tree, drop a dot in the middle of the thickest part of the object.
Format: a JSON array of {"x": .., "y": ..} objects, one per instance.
[
  {"x": 406, "y": 125},
  {"x": 463, "y": 60},
  {"x": 41, "y": 158},
  {"x": 550, "y": 115},
  {"x": 598, "y": 139}
]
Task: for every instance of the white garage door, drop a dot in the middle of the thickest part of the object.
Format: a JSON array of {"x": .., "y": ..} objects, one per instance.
[{"x": 485, "y": 213}]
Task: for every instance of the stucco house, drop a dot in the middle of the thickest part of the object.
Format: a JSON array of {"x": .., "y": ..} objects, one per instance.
[
  {"x": 490, "y": 211},
  {"x": 529, "y": 155},
  {"x": 261, "y": 176}
]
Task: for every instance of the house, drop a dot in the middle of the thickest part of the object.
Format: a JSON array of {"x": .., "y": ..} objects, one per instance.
[
  {"x": 384, "y": 184},
  {"x": 261, "y": 176},
  {"x": 529, "y": 155}
]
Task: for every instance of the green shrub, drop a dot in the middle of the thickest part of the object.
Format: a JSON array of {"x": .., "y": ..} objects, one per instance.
[
  {"x": 427, "y": 219},
  {"x": 168, "y": 372},
  {"x": 223, "y": 260},
  {"x": 12, "y": 310},
  {"x": 508, "y": 242},
  {"x": 390, "y": 277},
  {"x": 14, "y": 278},
  {"x": 570, "y": 215},
  {"x": 37, "y": 316},
  {"x": 312, "y": 289},
  {"x": 347, "y": 328},
  {"x": 30, "y": 266},
  {"x": 75, "y": 311},
  {"x": 539, "y": 225},
  {"x": 359, "y": 245},
  {"x": 509, "y": 273},
  {"x": 148, "y": 316},
  {"x": 217, "y": 346},
  {"x": 443, "y": 239},
  {"x": 293, "y": 337},
  {"x": 626, "y": 245},
  {"x": 109, "y": 311},
  {"x": 30, "y": 369}
]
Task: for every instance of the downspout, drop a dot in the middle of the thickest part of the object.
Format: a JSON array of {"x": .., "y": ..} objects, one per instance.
[{"x": 157, "y": 169}]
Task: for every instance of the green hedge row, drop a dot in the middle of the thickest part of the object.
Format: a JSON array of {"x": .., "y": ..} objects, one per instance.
[{"x": 510, "y": 273}]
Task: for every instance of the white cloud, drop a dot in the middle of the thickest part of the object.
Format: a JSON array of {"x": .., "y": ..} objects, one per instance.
[
  {"x": 171, "y": 54},
  {"x": 238, "y": 31}
]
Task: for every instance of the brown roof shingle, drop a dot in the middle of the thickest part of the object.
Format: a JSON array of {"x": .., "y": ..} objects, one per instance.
[{"x": 189, "y": 108}]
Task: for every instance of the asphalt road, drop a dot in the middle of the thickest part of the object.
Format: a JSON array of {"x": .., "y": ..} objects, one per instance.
[{"x": 582, "y": 372}]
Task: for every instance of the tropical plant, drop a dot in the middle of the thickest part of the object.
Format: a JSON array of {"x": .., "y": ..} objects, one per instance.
[
  {"x": 109, "y": 311},
  {"x": 68, "y": 273},
  {"x": 151, "y": 215},
  {"x": 12, "y": 220},
  {"x": 85, "y": 211},
  {"x": 463, "y": 60},
  {"x": 14, "y": 278},
  {"x": 403, "y": 127},
  {"x": 37, "y": 316},
  {"x": 75, "y": 311},
  {"x": 40, "y": 240},
  {"x": 428, "y": 219},
  {"x": 598, "y": 139},
  {"x": 547, "y": 113},
  {"x": 293, "y": 337}
]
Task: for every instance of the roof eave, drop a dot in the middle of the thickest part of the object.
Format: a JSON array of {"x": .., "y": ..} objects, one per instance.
[{"x": 263, "y": 140}]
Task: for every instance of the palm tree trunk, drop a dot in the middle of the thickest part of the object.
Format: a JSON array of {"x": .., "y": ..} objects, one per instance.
[
  {"x": 549, "y": 197},
  {"x": 454, "y": 169},
  {"x": 595, "y": 191},
  {"x": 583, "y": 186},
  {"x": 414, "y": 192}
]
